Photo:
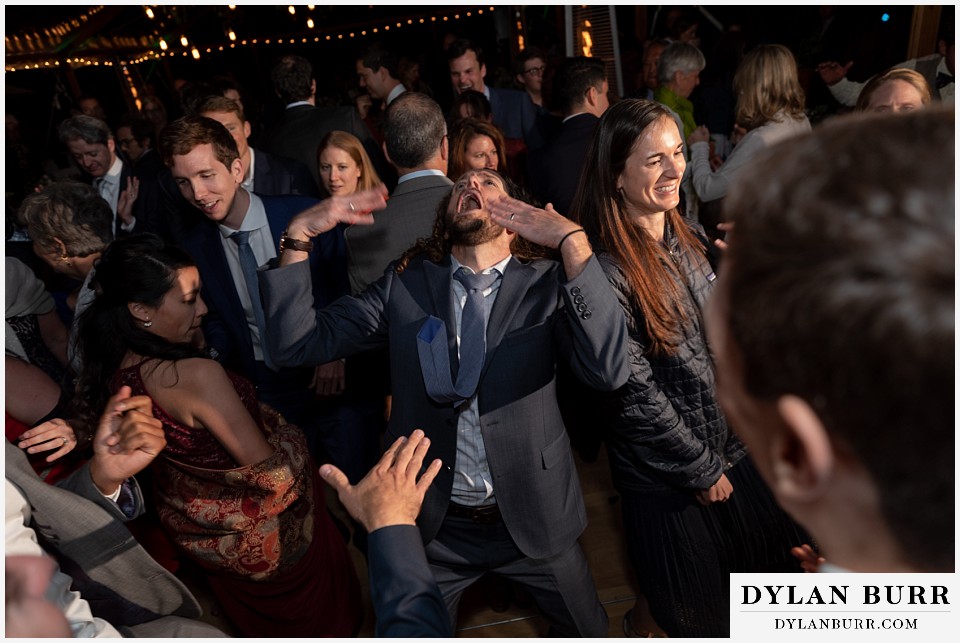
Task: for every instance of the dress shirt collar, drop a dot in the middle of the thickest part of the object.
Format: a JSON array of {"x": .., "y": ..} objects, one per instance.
[
  {"x": 247, "y": 183},
  {"x": 418, "y": 174},
  {"x": 254, "y": 219},
  {"x": 500, "y": 266},
  {"x": 396, "y": 91},
  {"x": 299, "y": 103}
]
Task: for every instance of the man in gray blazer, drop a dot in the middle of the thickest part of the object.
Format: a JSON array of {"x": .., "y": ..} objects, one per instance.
[
  {"x": 416, "y": 144},
  {"x": 122, "y": 590},
  {"x": 509, "y": 500}
]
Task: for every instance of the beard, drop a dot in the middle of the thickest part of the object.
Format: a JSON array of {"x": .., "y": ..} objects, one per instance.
[{"x": 471, "y": 232}]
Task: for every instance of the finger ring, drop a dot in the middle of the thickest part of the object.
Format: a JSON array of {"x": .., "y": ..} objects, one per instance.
[
  {"x": 352, "y": 209},
  {"x": 512, "y": 215},
  {"x": 64, "y": 442}
]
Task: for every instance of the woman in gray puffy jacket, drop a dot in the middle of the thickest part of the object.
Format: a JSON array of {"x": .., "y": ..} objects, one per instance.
[{"x": 694, "y": 508}]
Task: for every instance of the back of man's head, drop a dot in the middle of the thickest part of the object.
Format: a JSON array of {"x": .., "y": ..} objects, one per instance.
[
  {"x": 375, "y": 57},
  {"x": 574, "y": 79},
  {"x": 414, "y": 128},
  {"x": 292, "y": 78},
  {"x": 839, "y": 291}
]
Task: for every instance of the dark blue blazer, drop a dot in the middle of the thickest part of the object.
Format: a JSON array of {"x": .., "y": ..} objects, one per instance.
[
  {"x": 554, "y": 170},
  {"x": 225, "y": 326},
  {"x": 406, "y": 600},
  {"x": 516, "y": 116},
  {"x": 274, "y": 174}
]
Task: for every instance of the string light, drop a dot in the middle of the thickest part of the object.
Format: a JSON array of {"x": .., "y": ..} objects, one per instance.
[{"x": 38, "y": 44}]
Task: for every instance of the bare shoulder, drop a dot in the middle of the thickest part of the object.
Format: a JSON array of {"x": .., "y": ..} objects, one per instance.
[{"x": 187, "y": 375}]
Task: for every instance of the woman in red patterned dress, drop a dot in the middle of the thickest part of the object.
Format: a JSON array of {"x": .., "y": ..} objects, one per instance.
[{"x": 235, "y": 487}]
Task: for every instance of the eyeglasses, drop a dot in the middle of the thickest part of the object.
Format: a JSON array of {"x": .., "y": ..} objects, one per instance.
[{"x": 535, "y": 71}]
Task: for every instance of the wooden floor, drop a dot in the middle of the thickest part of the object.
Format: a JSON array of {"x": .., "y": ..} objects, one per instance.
[{"x": 603, "y": 543}]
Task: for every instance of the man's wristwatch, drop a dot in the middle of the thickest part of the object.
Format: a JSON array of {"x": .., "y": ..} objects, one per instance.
[{"x": 289, "y": 243}]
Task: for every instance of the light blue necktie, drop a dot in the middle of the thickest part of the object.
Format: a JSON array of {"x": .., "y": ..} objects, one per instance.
[
  {"x": 248, "y": 265},
  {"x": 473, "y": 330}
]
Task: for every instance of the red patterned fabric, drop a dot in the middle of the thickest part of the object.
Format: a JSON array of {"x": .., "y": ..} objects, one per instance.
[{"x": 262, "y": 532}]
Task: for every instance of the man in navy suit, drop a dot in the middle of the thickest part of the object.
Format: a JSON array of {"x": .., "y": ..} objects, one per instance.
[
  {"x": 263, "y": 173},
  {"x": 206, "y": 166},
  {"x": 509, "y": 500},
  {"x": 513, "y": 111},
  {"x": 580, "y": 87},
  {"x": 303, "y": 124}
]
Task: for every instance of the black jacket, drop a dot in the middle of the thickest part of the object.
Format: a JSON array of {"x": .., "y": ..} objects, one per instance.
[{"x": 665, "y": 430}]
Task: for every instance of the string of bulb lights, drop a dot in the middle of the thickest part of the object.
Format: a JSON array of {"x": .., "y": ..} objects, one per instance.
[{"x": 169, "y": 47}]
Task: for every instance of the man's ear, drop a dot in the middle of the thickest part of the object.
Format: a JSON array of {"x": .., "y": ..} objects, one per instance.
[
  {"x": 386, "y": 154},
  {"x": 236, "y": 169},
  {"x": 61, "y": 247},
  {"x": 483, "y": 70},
  {"x": 802, "y": 459},
  {"x": 591, "y": 98},
  {"x": 445, "y": 148},
  {"x": 313, "y": 88},
  {"x": 247, "y": 130}
]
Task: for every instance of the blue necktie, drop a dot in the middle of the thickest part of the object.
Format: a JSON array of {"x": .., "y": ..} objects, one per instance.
[
  {"x": 473, "y": 330},
  {"x": 248, "y": 264}
]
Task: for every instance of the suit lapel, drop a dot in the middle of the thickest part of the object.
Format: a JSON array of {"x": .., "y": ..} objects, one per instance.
[{"x": 513, "y": 287}]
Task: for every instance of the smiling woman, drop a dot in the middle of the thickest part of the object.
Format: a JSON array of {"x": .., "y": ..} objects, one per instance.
[{"x": 694, "y": 508}]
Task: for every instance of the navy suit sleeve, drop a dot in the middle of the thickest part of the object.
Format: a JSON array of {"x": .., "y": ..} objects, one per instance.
[{"x": 406, "y": 599}]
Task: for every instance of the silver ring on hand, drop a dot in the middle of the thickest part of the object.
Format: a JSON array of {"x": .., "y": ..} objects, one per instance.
[
  {"x": 64, "y": 442},
  {"x": 512, "y": 215},
  {"x": 352, "y": 209}
]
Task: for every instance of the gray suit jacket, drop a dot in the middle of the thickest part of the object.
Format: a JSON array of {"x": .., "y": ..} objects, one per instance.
[
  {"x": 84, "y": 532},
  {"x": 409, "y": 215},
  {"x": 537, "y": 319}
]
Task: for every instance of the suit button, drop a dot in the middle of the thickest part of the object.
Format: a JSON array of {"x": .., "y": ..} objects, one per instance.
[
  {"x": 575, "y": 290},
  {"x": 587, "y": 314},
  {"x": 581, "y": 307},
  {"x": 578, "y": 299}
]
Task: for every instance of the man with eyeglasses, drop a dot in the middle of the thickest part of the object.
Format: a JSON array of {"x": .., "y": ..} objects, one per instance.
[{"x": 531, "y": 69}]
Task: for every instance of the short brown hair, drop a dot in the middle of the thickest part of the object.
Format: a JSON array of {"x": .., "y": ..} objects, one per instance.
[
  {"x": 220, "y": 105},
  {"x": 180, "y": 137},
  {"x": 840, "y": 282}
]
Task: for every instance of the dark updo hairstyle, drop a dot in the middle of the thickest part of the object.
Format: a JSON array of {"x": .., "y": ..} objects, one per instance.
[{"x": 139, "y": 269}]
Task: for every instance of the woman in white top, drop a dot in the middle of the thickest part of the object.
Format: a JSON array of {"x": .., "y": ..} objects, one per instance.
[{"x": 769, "y": 109}]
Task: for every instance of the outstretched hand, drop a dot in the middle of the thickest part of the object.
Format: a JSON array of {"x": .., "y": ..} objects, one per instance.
[
  {"x": 390, "y": 493},
  {"x": 545, "y": 227},
  {"x": 128, "y": 438},
  {"x": 352, "y": 208},
  {"x": 833, "y": 72}
]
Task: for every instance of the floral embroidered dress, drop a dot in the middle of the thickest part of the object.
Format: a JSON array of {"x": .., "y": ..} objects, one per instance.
[{"x": 262, "y": 532}]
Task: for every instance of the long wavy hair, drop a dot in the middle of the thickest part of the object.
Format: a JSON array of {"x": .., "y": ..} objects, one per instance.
[
  {"x": 599, "y": 207},
  {"x": 437, "y": 246},
  {"x": 137, "y": 269}
]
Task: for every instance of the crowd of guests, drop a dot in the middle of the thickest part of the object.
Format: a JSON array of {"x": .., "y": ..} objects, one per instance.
[{"x": 212, "y": 314}]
